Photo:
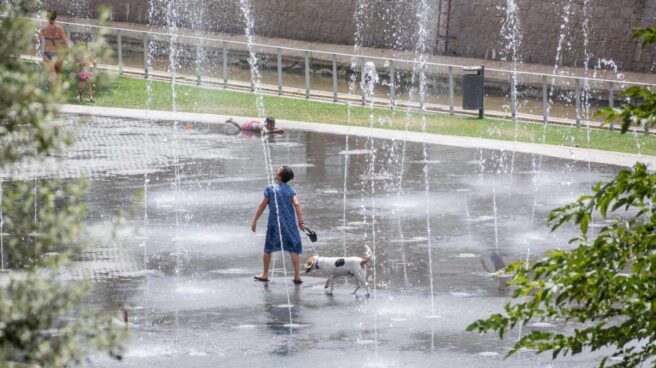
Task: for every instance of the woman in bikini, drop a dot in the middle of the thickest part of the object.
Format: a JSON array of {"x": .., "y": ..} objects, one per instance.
[{"x": 55, "y": 42}]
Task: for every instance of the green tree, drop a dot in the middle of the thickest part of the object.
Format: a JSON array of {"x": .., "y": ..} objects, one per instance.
[
  {"x": 606, "y": 285},
  {"x": 42, "y": 318},
  {"x": 640, "y": 106}
]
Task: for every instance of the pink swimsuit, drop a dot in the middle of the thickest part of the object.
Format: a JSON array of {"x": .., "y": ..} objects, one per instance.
[{"x": 250, "y": 125}]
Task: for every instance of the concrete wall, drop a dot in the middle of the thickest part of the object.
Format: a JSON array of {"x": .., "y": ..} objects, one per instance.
[
  {"x": 383, "y": 23},
  {"x": 474, "y": 25},
  {"x": 475, "y": 32}
]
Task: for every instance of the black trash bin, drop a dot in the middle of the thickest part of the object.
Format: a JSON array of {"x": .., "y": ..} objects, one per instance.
[{"x": 473, "y": 87}]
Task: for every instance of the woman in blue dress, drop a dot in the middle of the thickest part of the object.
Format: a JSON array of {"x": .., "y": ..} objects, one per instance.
[{"x": 283, "y": 230}]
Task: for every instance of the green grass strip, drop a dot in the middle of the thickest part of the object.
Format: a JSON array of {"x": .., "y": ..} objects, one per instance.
[{"x": 132, "y": 93}]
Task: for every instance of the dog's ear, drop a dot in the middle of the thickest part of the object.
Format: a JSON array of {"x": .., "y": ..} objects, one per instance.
[{"x": 309, "y": 262}]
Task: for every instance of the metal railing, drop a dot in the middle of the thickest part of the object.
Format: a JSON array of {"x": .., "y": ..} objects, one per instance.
[{"x": 546, "y": 81}]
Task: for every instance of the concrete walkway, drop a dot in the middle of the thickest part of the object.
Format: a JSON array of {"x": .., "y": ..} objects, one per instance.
[
  {"x": 649, "y": 78},
  {"x": 571, "y": 153}
]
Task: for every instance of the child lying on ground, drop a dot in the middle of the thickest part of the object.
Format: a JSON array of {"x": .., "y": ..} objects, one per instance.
[{"x": 256, "y": 127}]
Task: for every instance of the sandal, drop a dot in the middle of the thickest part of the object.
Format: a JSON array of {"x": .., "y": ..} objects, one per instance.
[
  {"x": 258, "y": 278},
  {"x": 298, "y": 282}
]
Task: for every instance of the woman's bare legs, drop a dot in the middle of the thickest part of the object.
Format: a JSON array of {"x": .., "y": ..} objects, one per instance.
[
  {"x": 49, "y": 66},
  {"x": 266, "y": 260},
  {"x": 296, "y": 261}
]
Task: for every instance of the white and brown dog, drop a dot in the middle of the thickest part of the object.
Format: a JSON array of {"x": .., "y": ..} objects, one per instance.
[{"x": 339, "y": 266}]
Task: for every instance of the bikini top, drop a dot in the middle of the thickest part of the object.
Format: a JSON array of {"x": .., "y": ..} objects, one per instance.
[{"x": 52, "y": 39}]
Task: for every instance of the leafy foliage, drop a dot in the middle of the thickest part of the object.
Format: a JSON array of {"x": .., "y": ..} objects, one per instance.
[
  {"x": 42, "y": 319},
  {"x": 37, "y": 325},
  {"x": 26, "y": 109},
  {"x": 638, "y": 110},
  {"x": 606, "y": 286},
  {"x": 34, "y": 244},
  {"x": 648, "y": 35}
]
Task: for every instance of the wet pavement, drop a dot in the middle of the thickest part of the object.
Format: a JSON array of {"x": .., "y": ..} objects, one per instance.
[{"x": 186, "y": 257}]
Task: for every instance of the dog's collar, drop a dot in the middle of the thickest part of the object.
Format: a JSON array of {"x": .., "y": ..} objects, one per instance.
[{"x": 316, "y": 263}]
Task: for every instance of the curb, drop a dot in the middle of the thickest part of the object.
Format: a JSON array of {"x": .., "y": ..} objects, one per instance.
[{"x": 564, "y": 152}]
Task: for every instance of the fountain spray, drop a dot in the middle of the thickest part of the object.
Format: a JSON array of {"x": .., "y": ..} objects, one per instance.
[
  {"x": 511, "y": 31},
  {"x": 256, "y": 79}
]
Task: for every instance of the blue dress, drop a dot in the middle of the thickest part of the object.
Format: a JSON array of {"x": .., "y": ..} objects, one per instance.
[{"x": 291, "y": 238}]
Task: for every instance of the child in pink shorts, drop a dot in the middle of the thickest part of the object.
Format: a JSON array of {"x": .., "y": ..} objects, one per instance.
[{"x": 85, "y": 76}]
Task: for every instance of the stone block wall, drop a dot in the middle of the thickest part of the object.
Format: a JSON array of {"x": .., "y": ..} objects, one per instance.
[
  {"x": 382, "y": 23},
  {"x": 474, "y": 25},
  {"x": 328, "y": 21},
  {"x": 475, "y": 32}
]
